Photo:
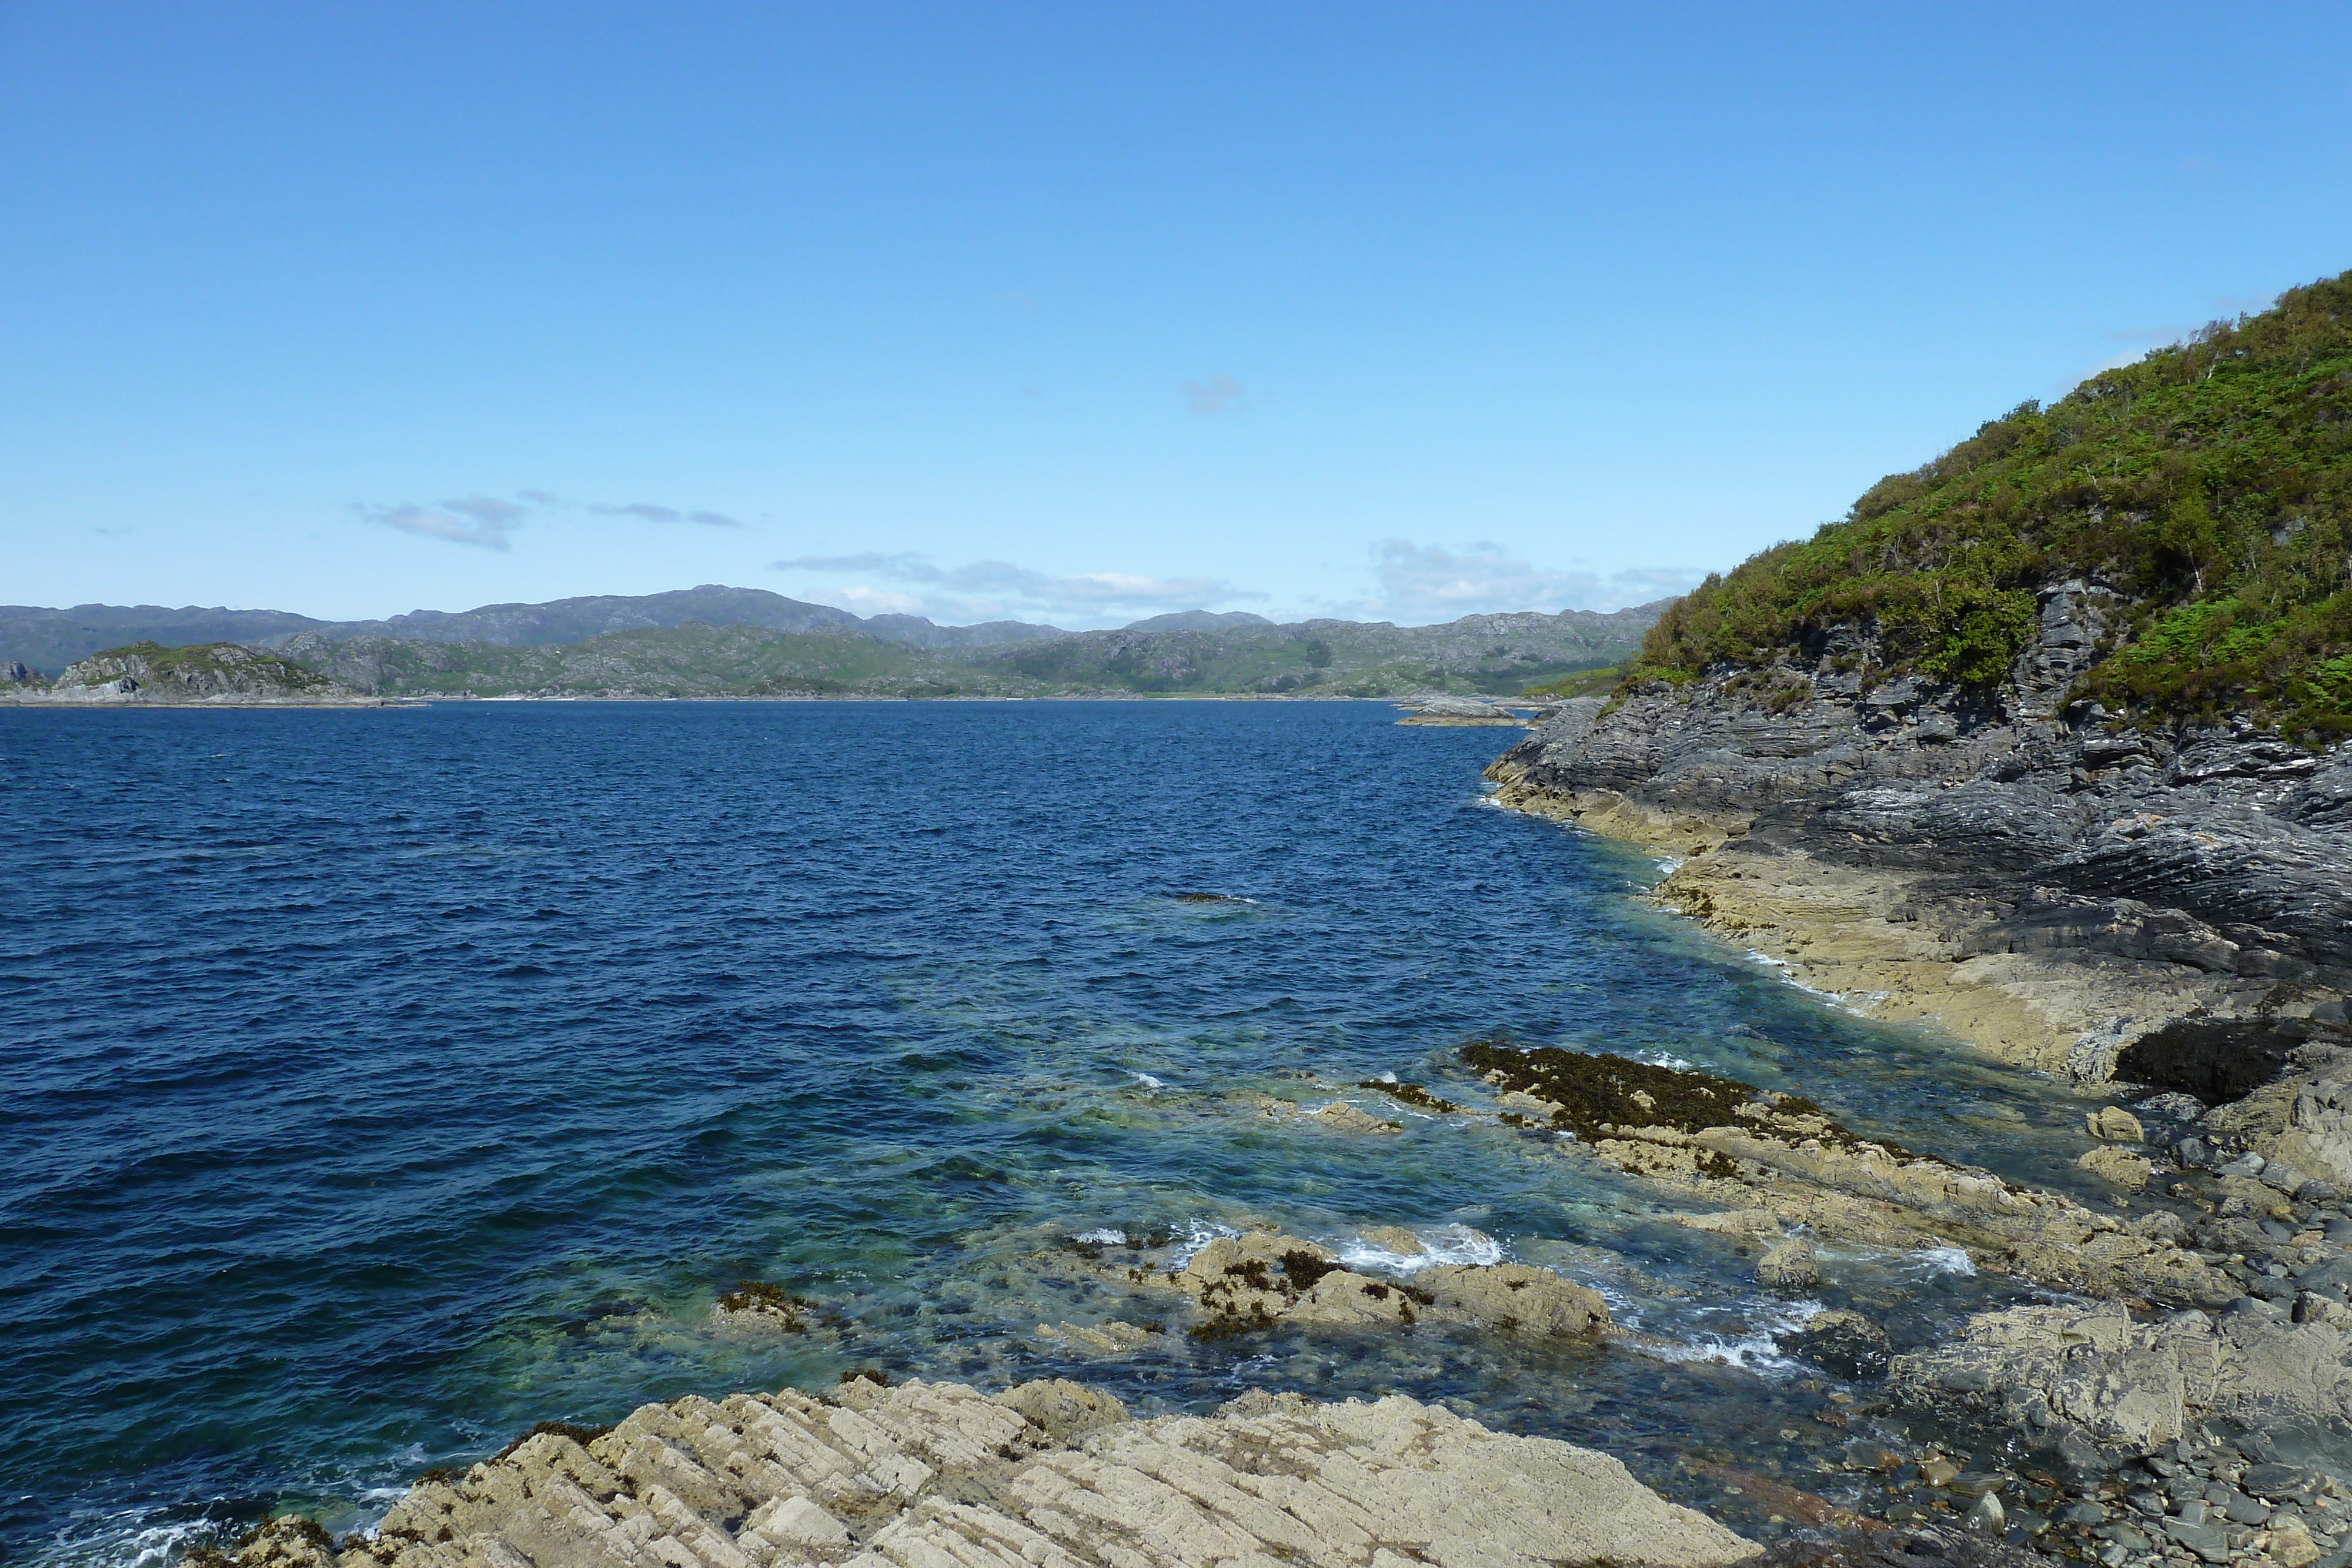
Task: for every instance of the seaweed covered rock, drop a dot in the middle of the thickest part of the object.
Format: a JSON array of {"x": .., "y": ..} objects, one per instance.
[
  {"x": 1749, "y": 1149},
  {"x": 1257, "y": 1280},
  {"x": 1051, "y": 1475}
]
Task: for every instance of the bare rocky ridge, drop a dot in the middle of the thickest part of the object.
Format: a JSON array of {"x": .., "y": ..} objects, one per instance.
[{"x": 1046, "y": 1475}]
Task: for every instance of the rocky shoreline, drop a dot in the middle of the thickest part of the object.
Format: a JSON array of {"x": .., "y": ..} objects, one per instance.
[
  {"x": 2163, "y": 917},
  {"x": 1045, "y": 1475}
]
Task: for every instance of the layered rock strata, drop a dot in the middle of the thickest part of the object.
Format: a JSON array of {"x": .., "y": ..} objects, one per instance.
[
  {"x": 1775, "y": 1163},
  {"x": 2031, "y": 878},
  {"x": 1047, "y": 1475}
]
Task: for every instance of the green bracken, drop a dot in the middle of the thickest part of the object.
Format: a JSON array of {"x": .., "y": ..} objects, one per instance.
[{"x": 2208, "y": 487}]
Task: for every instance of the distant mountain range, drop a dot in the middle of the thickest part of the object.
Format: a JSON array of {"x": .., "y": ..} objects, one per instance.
[
  {"x": 49, "y": 640},
  {"x": 717, "y": 641}
]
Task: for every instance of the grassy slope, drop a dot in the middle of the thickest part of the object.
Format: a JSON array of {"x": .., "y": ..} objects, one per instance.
[
  {"x": 2209, "y": 485},
  {"x": 222, "y": 664},
  {"x": 683, "y": 661}
]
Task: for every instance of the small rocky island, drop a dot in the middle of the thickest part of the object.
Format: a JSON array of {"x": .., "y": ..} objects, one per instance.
[{"x": 211, "y": 674}]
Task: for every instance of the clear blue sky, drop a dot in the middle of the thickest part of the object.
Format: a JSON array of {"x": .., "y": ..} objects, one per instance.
[{"x": 1083, "y": 312}]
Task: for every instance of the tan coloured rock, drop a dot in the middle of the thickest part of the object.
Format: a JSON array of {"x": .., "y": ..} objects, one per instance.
[
  {"x": 1515, "y": 1296},
  {"x": 1242, "y": 1281},
  {"x": 1346, "y": 1118},
  {"x": 2291, "y": 1545},
  {"x": 1112, "y": 1338},
  {"x": 2121, "y": 1166},
  {"x": 1743, "y": 1224},
  {"x": 2114, "y": 1124},
  {"x": 940, "y": 1475},
  {"x": 1791, "y": 1265},
  {"x": 2143, "y": 1384},
  {"x": 1395, "y": 1239}
]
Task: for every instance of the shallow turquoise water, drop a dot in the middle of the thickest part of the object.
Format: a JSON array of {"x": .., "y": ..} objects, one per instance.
[{"x": 380, "y": 1084}]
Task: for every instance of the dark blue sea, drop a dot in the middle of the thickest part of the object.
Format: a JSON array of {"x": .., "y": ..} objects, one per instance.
[{"x": 378, "y": 1083}]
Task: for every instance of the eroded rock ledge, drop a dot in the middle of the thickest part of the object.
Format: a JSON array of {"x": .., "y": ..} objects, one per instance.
[{"x": 1046, "y": 1475}]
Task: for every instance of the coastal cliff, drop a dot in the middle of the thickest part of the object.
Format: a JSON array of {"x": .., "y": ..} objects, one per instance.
[
  {"x": 2045, "y": 740},
  {"x": 2052, "y": 891}
]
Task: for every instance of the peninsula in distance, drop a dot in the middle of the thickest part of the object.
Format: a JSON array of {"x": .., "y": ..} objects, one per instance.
[{"x": 714, "y": 641}]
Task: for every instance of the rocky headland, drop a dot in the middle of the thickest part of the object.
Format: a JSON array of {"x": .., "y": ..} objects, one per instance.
[
  {"x": 2043, "y": 747},
  {"x": 212, "y": 675}
]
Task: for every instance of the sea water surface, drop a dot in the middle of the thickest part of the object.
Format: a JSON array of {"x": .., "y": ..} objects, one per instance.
[{"x": 379, "y": 1083}]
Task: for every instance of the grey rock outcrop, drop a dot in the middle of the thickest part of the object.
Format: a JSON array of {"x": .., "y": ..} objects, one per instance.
[
  {"x": 2032, "y": 880},
  {"x": 2134, "y": 1384},
  {"x": 1045, "y": 1475}
]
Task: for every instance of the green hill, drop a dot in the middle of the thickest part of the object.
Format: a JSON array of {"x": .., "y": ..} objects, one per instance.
[{"x": 2209, "y": 486}]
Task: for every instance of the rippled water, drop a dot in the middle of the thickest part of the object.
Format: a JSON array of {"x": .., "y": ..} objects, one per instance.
[{"x": 379, "y": 1083}]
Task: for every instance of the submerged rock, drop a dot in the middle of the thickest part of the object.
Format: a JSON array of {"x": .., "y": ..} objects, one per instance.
[
  {"x": 1845, "y": 1344},
  {"x": 1046, "y": 1475},
  {"x": 1729, "y": 1142},
  {"x": 1791, "y": 1265}
]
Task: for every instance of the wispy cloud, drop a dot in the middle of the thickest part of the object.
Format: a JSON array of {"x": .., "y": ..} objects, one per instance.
[
  {"x": 487, "y": 520},
  {"x": 1428, "y": 582},
  {"x": 1218, "y": 394},
  {"x": 987, "y": 590},
  {"x": 482, "y": 521},
  {"x": 653, "y": 512}
]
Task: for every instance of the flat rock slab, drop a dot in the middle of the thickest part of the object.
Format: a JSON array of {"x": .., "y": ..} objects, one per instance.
[{"x": 1045, "y": 1476}]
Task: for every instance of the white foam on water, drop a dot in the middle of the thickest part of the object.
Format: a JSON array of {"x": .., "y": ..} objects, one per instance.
[
  {"x": 1668, "y": 863},
  {"x": 130, "y": 1544},
  {"x": 1107, "y": 1236},
  {"x": 1788, "y": 977},
  {"x": 1942, "y": 1260},
  {"x": 1663, "y": 1059},
  {"x": 1199, "y": 1233},
  {"x": 1445, "y": 1244},
  {"x": 1146, "y": 1079},
  {"x": 1758, "y": 1350}
]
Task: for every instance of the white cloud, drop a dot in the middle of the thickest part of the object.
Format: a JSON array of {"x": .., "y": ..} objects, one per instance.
[
  {"x": 996, "y": 590},
  {"x": 477, "y": 520},
  {"x": 1218, "y": 394},
  {"x": 654, "y": 512},
  {"x": 1417, "y": 583}
]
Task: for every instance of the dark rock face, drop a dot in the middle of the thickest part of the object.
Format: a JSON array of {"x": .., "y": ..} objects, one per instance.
[
  {"x": 2019, "y": 823},
  {"x": 2217, "y": 1062}
]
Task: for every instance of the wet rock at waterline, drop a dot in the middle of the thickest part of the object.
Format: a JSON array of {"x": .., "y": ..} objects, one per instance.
[
  {"x": 1046, "y": 1475},
  {"x": 1252, "y": 1280},
  {"x": 1790, "y": 1266},
  {"x": 1736, "y": 1147}
]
